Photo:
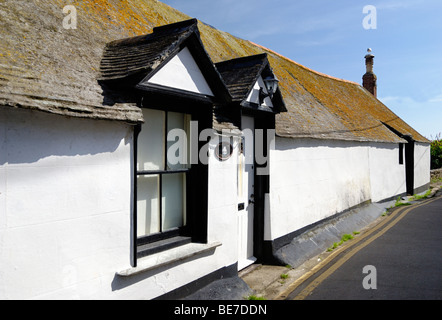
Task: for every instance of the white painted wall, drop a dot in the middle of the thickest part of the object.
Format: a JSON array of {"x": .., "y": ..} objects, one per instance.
[
  {"x": 65, "y": 218},
  {"x": 387, "y": 176},
  {"x": 65, "y": 187},
  {"x": 422, "y": 164},
  {"x": 311, "y": 180}
]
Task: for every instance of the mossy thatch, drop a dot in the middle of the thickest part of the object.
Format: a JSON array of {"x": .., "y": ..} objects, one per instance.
[{"x": 46, "y": 67}]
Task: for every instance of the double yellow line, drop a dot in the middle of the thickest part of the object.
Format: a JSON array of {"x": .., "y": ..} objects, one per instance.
[{"x": 385, "y": 225}]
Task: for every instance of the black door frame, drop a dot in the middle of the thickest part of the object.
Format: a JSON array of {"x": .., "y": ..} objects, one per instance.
[
  {"x": 409, "y": 164},
  {"x": 264, "y": 121}
]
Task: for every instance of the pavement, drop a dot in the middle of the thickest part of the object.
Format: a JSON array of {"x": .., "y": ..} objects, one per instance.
[{"x": 270, "y": 282}]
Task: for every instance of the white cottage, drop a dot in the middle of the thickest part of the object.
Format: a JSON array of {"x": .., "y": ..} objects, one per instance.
[{"x": 133, "y": 167}]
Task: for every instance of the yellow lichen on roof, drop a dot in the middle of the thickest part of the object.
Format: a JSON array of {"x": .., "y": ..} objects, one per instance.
[
  {"x": 46, "y": 67},
  {"x": 129, "y": 17},
  {"x": 319, "y": 105},
  {"x": 300, "y": 65}
]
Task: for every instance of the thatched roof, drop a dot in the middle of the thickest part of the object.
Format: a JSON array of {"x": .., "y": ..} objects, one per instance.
[{"x": 46, "y": 67}]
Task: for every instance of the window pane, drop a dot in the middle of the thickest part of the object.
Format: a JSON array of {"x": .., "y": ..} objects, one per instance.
[
  {"x": 151, "y": 141},
  {"x": 148, "y": 206},
  {"x": 178, "y": 141},
  {"x": 173, "y": 201}
]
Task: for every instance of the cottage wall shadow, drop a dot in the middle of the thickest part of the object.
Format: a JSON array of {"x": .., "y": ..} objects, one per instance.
[{"x": 27, "y": 136}]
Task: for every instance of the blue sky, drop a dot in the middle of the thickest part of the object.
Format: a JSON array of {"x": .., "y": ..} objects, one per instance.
[{"x": 329, "y": 36}]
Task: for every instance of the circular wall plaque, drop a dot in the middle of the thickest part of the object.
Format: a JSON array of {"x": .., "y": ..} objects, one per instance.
[{"x": 223, "y": 151}]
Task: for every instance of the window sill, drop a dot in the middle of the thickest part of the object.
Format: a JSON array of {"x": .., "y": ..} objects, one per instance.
[
  {"x": 161, "y": 246},
  {"x": 168, "y": 257}
]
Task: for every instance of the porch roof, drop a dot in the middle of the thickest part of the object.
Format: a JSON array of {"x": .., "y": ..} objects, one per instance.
[
  {"x": 141, "y": 54},
  {"x": 241, "y": 74}
]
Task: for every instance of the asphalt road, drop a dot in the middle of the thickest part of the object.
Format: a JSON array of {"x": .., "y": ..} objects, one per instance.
[{"x": 400, "y": 260}]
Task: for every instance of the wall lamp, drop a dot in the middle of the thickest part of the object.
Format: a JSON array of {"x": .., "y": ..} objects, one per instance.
[{"x": 271, "y": 83}]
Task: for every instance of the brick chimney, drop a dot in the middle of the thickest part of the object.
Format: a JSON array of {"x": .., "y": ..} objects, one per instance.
[{"x": 369, "y": 79}]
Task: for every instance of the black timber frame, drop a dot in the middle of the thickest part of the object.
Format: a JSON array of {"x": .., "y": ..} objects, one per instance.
[
  {"x": 265, "y": 121},
  {"x": 197, "y": 176},
  {"x": 126, "y": 67}
]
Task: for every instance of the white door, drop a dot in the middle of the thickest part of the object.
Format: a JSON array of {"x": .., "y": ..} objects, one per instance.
[{"x": 246, "y": 183}]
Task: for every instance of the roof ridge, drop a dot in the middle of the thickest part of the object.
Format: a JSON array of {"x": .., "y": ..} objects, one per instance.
[
  {"x": 302, "y": 66},
  {"x": 179, "y": 28},
  {"x": 174, "y": 27},
  {"x": 244, "y": 58}
]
